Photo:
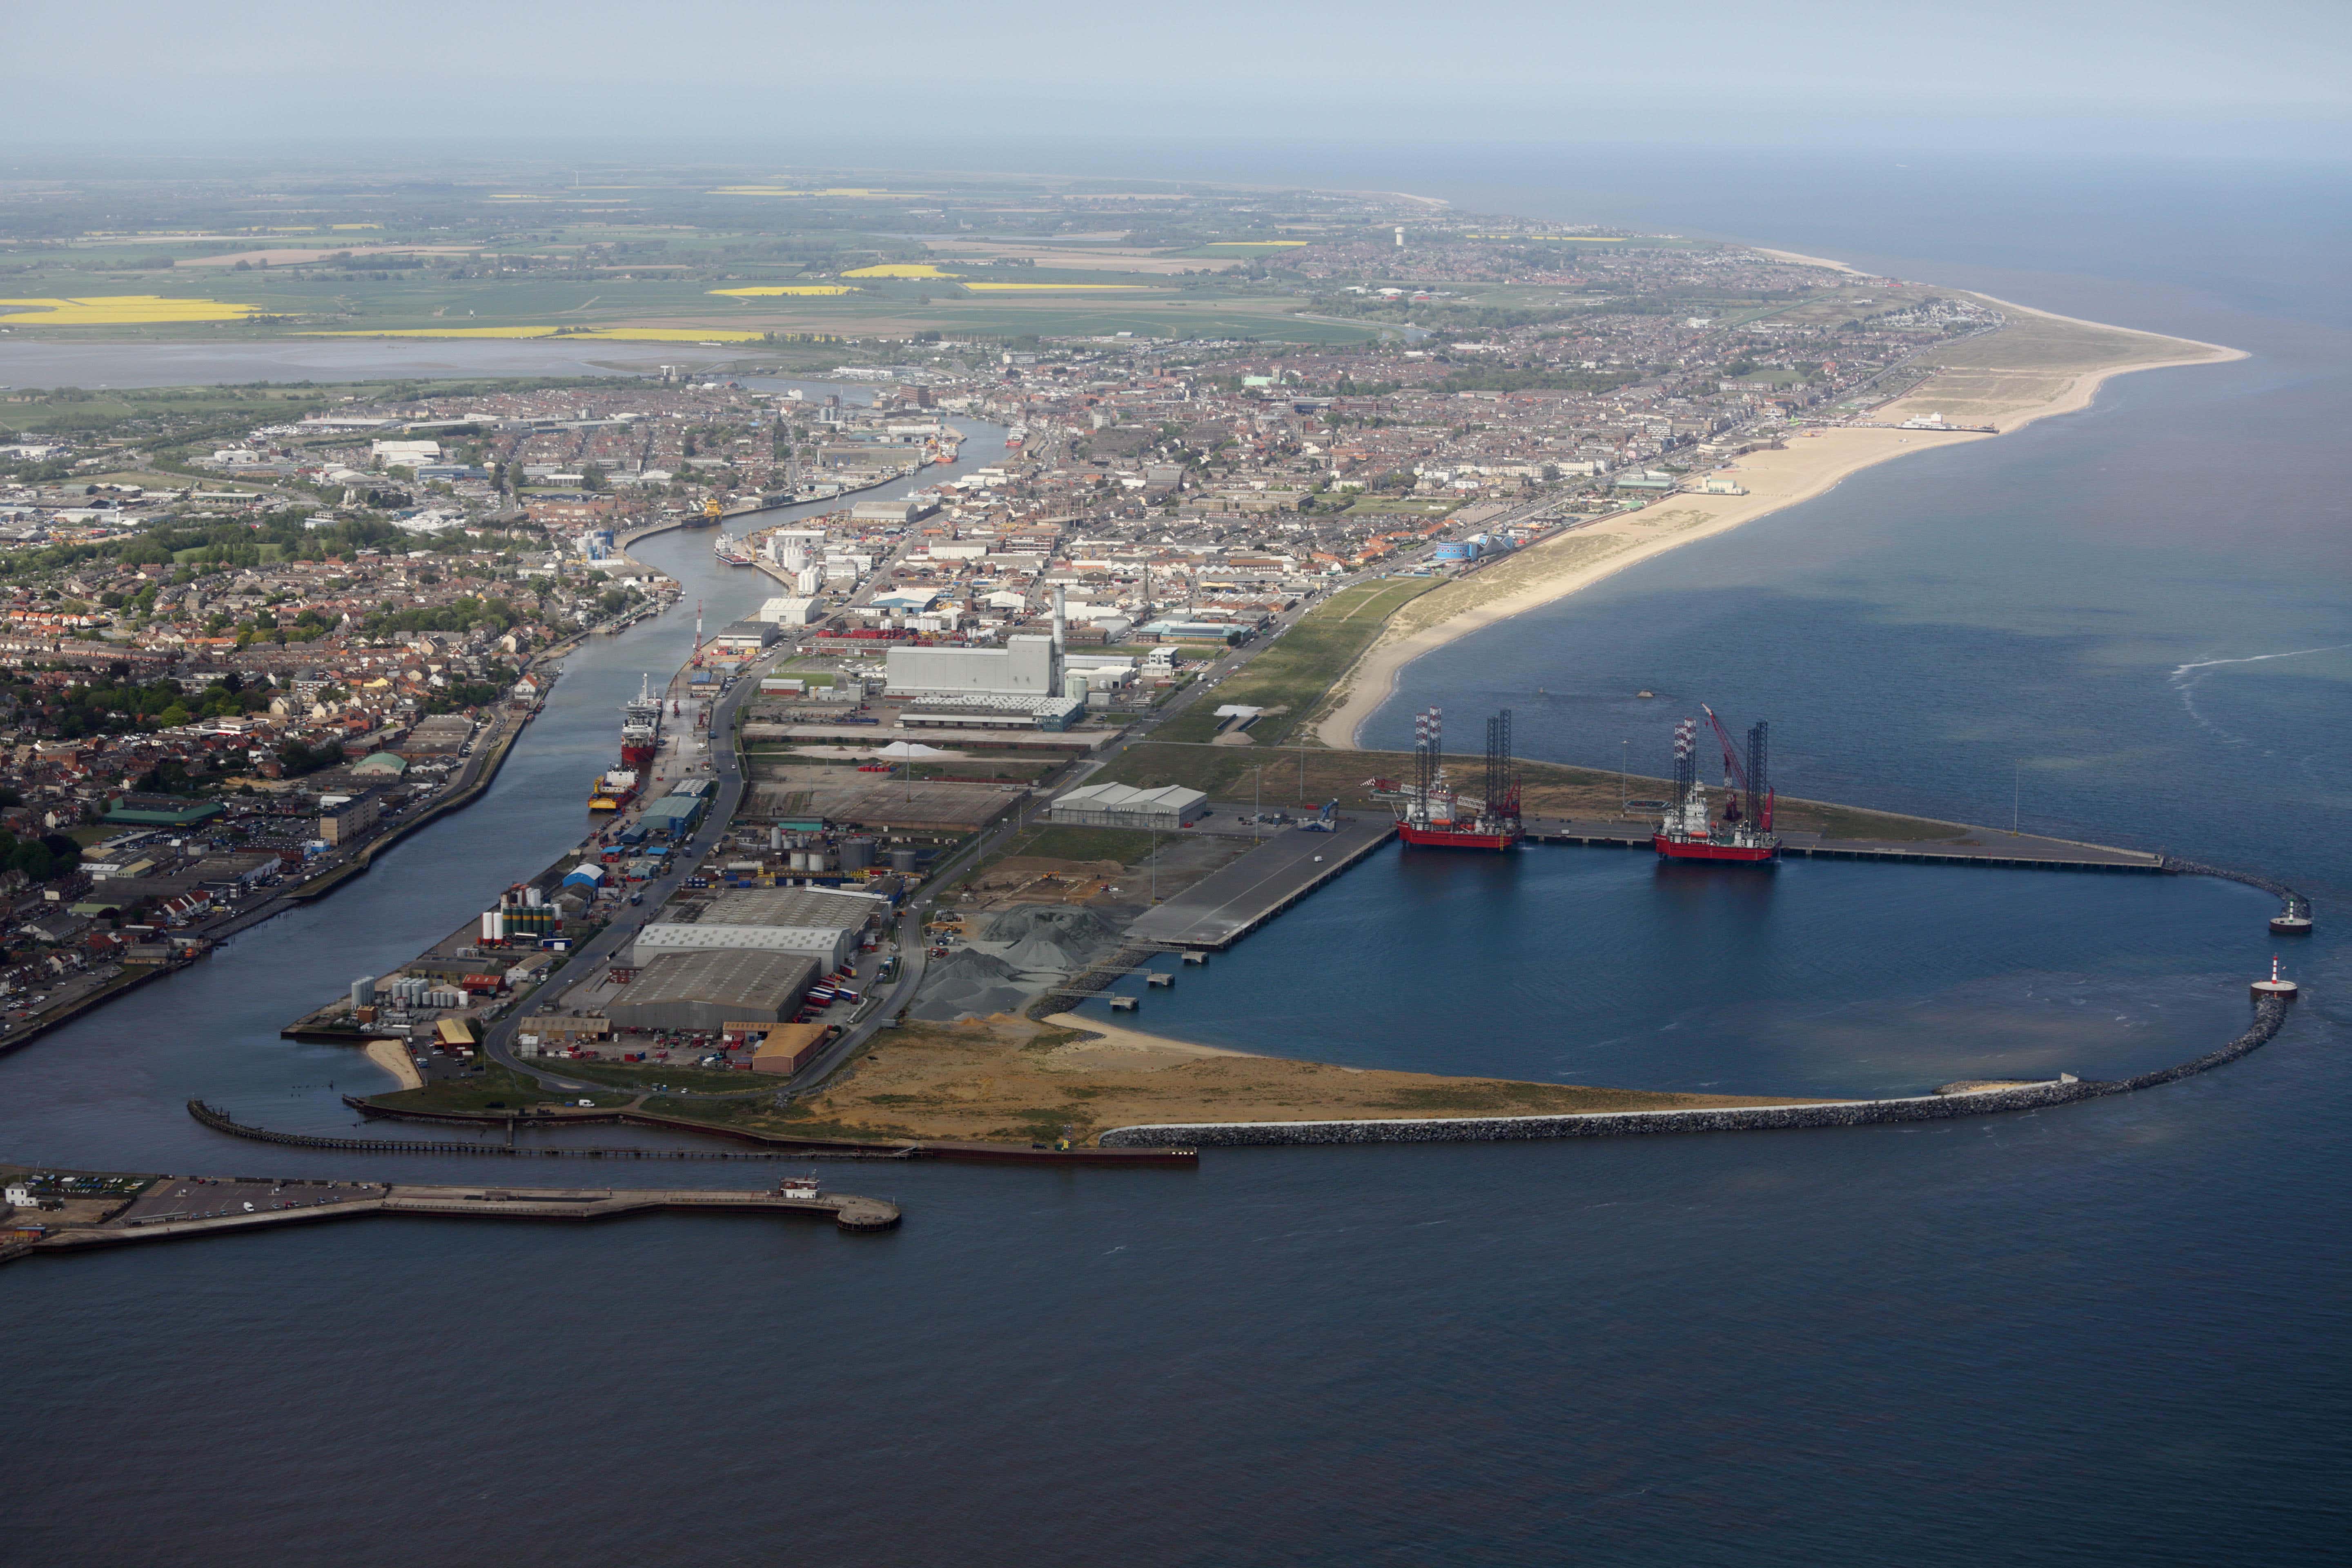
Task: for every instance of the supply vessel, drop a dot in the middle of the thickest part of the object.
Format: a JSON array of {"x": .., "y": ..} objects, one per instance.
[
  {"x": 1432, "y": 814},
  {"x": 613, "y": 789},
  {"x": 730, "y": 551},
  {"x": 641, "y": 719},
  {"x": 1689, "y": 831}
]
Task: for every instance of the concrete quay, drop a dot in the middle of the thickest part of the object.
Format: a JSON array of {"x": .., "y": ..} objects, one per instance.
[
  {"x": 181, "y": 1208},
  {"x": 1229, "y": 903}
]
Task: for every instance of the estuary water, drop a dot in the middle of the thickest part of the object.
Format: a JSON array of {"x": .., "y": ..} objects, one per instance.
[{"x": 2107, "y": 1333}]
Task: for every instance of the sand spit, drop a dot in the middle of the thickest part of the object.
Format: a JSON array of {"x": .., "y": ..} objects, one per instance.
[{"x": 2038, "y": 366}]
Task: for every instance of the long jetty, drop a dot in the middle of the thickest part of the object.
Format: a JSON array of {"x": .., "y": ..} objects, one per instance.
[
  {"x": 772, "y": 1146},
  {"x": 1982, "y": 847}
]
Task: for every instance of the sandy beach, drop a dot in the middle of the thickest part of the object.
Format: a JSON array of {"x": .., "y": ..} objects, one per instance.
[
  {"x": 393, "y": 1059},
  {"x": 2038, "y": 366}
]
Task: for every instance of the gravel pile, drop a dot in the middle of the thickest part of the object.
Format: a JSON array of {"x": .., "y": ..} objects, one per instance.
[
  {"x": 1050, "y": 936},
  {"x": 968, "y": 984}
]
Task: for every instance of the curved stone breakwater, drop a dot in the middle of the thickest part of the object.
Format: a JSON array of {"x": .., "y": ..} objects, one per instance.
[
  {"x": 2297, "y": 906},
  {"x": 2269, "y": 1014}
]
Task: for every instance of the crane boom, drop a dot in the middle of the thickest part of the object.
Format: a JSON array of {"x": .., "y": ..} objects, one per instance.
[{"x": 1733, "y": 771}]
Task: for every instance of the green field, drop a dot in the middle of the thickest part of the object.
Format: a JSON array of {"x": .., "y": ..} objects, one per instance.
[{"x": 1288, "y": 679}]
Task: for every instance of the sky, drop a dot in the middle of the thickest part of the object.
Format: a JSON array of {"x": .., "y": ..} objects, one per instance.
[{"x": 2166, "y": 77}]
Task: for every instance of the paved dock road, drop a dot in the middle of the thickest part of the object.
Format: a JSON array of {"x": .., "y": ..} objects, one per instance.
[{"x": 1226, "y": 905}]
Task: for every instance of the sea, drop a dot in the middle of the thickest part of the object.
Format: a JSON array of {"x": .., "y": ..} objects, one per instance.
[{"x": 2112, "y": 1332}]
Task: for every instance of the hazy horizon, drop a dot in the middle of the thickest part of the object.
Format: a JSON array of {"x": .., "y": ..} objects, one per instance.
[{"x": 791, "y": 81}]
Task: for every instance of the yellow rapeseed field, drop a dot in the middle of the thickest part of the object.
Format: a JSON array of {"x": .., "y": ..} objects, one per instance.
[
  {"x": 123, "y": 310},
  {"x": 787, "y": 289},
  {"x": 593, "y": 335},
  {"x": 900, "y": 269}
]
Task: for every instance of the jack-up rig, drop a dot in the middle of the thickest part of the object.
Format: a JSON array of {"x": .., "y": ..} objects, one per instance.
[
  {"x": 1432, "y": 812},
  {"x": 1688, "y": 832}
]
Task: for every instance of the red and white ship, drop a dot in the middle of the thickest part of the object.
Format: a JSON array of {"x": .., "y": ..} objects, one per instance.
[
  {"x": 1689, "y": 831},
  {"x": 1432, "y": 814},
  {"x": 641, "y": 719}
]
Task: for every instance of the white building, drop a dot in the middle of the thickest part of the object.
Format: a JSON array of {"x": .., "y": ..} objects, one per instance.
[
  {"x": 815, "y": 922},
  {"x": 788, "y": 612},
  {"x": 1124, "y": 805},
  {"x": 1024, "y": 666}
]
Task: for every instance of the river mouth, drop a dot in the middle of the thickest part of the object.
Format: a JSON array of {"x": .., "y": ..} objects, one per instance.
[{"x": 1604, "y": 967}]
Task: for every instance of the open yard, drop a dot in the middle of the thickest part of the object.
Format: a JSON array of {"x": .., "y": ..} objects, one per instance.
[{"x": 1015, "y": 1080}]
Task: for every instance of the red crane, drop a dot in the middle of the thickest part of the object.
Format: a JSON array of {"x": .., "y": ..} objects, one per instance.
[{"x": 1749, "y": 780}]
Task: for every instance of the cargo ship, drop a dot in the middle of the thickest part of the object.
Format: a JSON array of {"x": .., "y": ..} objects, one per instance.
[
  {"x": 730, "y": 551},
  {"x": 641, "y": 719},
  {"x": 1431, "y": 813},
  {"x": 613, "y": 790},
  {"x": 1689, "y": 831}
]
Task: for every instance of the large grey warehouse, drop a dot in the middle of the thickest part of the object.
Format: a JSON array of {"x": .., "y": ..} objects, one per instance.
[
  {"x": 706, "y": 990},
  {"x": 824, "y": 925},
  {"x": 1123, "y": 806}
]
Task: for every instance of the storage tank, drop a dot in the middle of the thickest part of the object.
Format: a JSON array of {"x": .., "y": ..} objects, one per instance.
[
  {"x": 856, "y": 853},
  {"x": 363, "y": 991},
  {"x": 903, "y": 860}
]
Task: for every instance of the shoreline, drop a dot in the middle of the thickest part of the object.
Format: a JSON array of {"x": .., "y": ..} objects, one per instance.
[{"x": 1367, "y": 685}]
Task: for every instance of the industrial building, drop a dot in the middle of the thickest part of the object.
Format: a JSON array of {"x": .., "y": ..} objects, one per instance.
[
  {"x": 984, "y": 711},
  {"x": 824, "y": 925},
  {"x": 788, "y": 612},
  {"x": 1024, "y": 666},
  {"x": 1167, "y": 808},
  {"x": 745, "y": 638},
  {"x": 706, "y": 991}
]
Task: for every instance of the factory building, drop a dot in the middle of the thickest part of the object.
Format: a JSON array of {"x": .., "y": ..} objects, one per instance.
[
  {"x": 824, "y": 925},
  {"x": 1124, "y": 805},
  {"x": 788, "y": 612},
  {"x": 705, "y": 991},
  {"x": 744, "y": 638},
  {"x": 1024, "y": 666},
  {"x": 1052, "y": 714}
]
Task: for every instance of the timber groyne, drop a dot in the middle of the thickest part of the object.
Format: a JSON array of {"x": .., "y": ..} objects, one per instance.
[{"x": 2269, "y": 1014}]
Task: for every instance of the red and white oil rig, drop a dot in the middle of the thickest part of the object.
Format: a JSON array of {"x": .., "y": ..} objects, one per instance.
[
  {"x": 1689, "y": 830},
  {"x": 1431, "y": 812}
]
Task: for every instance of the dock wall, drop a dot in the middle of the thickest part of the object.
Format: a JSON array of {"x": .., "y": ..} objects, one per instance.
[{"x": 2269, "y": 1014}]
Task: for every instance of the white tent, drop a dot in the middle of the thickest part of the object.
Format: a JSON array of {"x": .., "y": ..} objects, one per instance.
[{"x": 911, "y": 749}]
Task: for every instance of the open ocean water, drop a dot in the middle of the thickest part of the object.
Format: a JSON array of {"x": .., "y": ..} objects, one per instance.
[{"x": 2108, "y": 1333}]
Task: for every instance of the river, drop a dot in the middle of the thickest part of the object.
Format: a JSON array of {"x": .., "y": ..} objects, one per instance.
[{"x": 2112, "y": 1332}]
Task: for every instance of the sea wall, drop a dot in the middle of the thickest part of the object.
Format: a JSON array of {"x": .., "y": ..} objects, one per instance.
[{"x": 2269, "y": 1014}]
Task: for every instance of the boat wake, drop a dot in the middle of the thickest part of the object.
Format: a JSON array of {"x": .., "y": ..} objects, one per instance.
[{"x": 2185, "y": 679}]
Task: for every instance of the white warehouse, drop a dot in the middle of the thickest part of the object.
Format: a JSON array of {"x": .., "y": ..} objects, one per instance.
[
  {"x": 1123, "y": 806},
  {"x": 1024, "y": 666},
  {"x": 814, "y": 923}
]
